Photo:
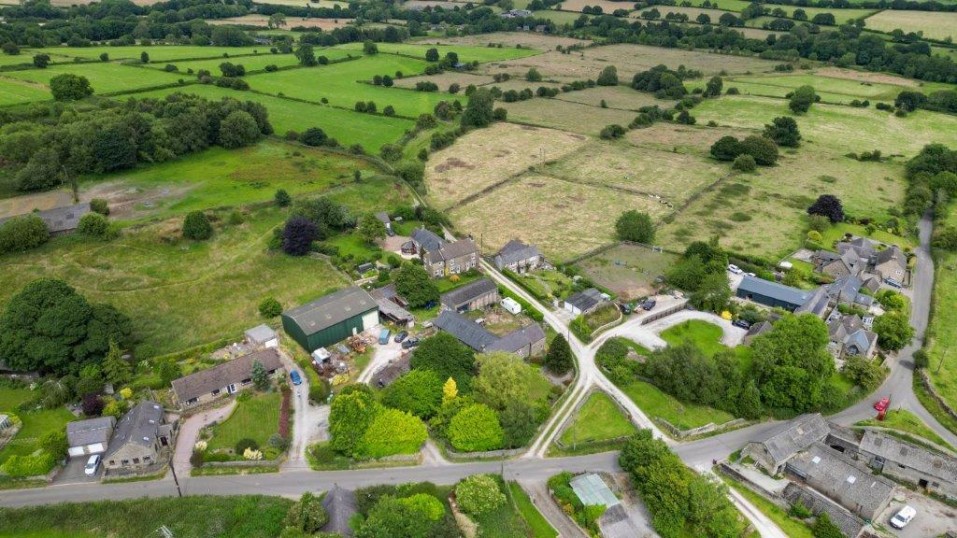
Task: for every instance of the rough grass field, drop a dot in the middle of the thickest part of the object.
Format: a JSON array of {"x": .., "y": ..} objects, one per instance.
[
  {"x": 256, "y": 418},
  {"x": 36, "y": 423},
  {"x": 486, "y": 157},
  {"x": 943, "y": 329},
  {"x": 677, "y": 138},
  {"x": 348, "y": 127},
  {"x": 178, "y": 293},
  {"x": 466, "y": 53},
  {"x": 566, "y": 116},
  {"x": 508, "y": 39},
  {"x": 262, "y": 21},
  {"x": 539, "y": 526},
  {"x": 607, "y": 6},
  {"x": 599, "y": 419},
  {"x": 443, "y": 81},
  {"x": 105, "y": 77},
  {"x": 904, "y": 421},
  {"x": 157, "y": 53},
  {"x": 627, "y": 270},
  {"x": 703, "y": 335},
  {"x": 933, "y": 25},
  {"x": 251, "y": 516},
  {"x": 251, "y": 63},
  {"x": 621, "y": 97},
  {"x": 657, "y": 404},
  {"x": 691, "y": 12},
  {"x": 839, "y": 90},
  {"x": 562, "y": 218}
]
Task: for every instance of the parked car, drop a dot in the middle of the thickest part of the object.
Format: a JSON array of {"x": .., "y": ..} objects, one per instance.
[
  {"x": 91, "y": 464},
  {"x": 741, "y": 323},
  {"x": 401, "y": 336},
  {"x": 625, "y": 308},
  {"x": 893, "y": 282},
  {"x": 296, "y": 378},
  {"x": 649, "y": 304},
  {"x": 384, "y": 337},
  {"x": 734, "y": 269},
  {"x": 410, "y": 343},
  {"x": 882, "y": 404},
  {"x": 903, "y": 517}
]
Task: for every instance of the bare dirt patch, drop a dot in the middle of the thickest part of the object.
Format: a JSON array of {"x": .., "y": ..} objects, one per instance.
[
  {"x": 263, "y": 21},
  {"x": 127, "y": 203},
  {"x": 486, "y": 157},
  {"x": 41, "y": 201}
]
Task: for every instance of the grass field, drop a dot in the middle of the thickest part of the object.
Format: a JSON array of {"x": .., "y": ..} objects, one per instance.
[
  {"x": 157, "y": 53},
  {"x": 943, "y": 330},
  {"x": 537, "y": 524},
  {"x": 627, "y": 270},
  {"x": 599, "y": 419},
  {"x": 155, "y": 280},
  {"x": 839, "y": 90},
  {"x": 531, "y": 40},
  {"x": 486, "y": 157},
  {"x": 622, "y": 97},
  {"x": 188, "y": 517},
  {"x": 14, "y": 91},
  {"x": 504, "y": 521},
  {"x": 256, "y": 418},
  {"x": 933, "y": 25},
  {"x": 251, "y": 63},
  {"x": 705, "y": 336},
  {"x": 656, "y": 403},
  {"x": 106, "y": 78},
  {"x": 904, "y": 421},
  {"x": 465, "y": 53},
  {"x": 262, "y": 21},
  {"x": 444, "y": 80},
  {"x": 573, "y": 117}
]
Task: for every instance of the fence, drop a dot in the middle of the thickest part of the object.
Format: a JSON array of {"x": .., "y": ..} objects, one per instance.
[{"x": 681, "y": 305}]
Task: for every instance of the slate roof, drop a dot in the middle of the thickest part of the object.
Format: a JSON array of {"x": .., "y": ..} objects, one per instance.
[
  {"x": 139, "y": 426},
  {"x": 861, "y": 246},
  {"x": 427, "y": 240},
  {"x": 850, "y": 524},
  {"x": 341, "y": 505},
  {"x": 891, "y": 253},
  {"x": 839, "y": 477},
  {"x": 90, "y": 431},
  {"x": 59, "y": 219},
  {"x": 383, "y": 217},
  {"x": 845, "y": 289},
  {"x": 894, "y": 450},
  {"x": 261, "y": 334},
  {"x": 515, "y": 251},
  {"x": 217, "y": 377},
  {"x": 467, "y": 331},
  {"x": 331, "y": 309},
  {"x": 816, "y": 303},
  {"x": 794, "y": 436},
  {"x": 584, "y": 300},
  {"x": 468, "y": 293},
  {"x": 449, "y": 251},
  {"x": 519, "y": 339},
  {"x": 779, "y": 292},
  {"x": 758, "y": 329}
]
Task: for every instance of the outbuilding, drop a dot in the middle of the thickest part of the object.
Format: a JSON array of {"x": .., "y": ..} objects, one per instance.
[
  {"x": 262, "y": 336},
  {"x": 472, "y": 296},
  {"x": 771, "y": 293},
  {"x": 90, "y": 436},
  {"x": 332, "y": 318}
]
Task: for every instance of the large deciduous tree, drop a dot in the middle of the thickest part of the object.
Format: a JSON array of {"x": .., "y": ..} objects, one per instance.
[
  {"x": 478, "y": 494},
  {"x": 829, "y": 206},
  {"x": 392, "y": 432},
  {"x": 371, "y": 228},
  {"x": 70, "y": 87},
  {"x": 802, "y": 99},
  {"x": 635, "y": 226},
  {"x": 475, "y": 429},
  {"x": 413, "y": 283},
  {"x": 238, "y": 129},
  {"x": 447, "y": 357},
  {"x": 298, "y": 235},
  {"x": 784, "y": 131},
  {"x": 350, "y": 416},
  {"x": 893, "y": 330},
  {"x": 792, "y": 364},
  {"x": 419, "y": 392},
  {"x": 503, "y": 378},
  {"x": 479, "y": 111}
]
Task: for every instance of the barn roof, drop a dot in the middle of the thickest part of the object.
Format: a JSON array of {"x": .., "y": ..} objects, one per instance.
[
  {"x": 90, "y": 431},
  {"x": 331, "y": 309},
  {"x": 773, "y": 290}
]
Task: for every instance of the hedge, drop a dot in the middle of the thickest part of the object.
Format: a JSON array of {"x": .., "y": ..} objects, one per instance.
[{"x": 33, "y": 465}]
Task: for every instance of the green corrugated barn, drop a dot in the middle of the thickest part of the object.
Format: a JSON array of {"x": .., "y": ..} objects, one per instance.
[{"x": 331, "y": 319}]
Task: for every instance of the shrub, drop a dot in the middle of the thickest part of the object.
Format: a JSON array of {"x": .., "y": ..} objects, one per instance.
[
  {"x": 245, "y": 443},
  {"x": 478, "y": 494},
  {"x": 23, "y": 233},
  {"x": 393, "y": 432},
  {"x": 196, "y": 226},
  {"x": 744, "y": 163},
  {"x": 18, "y": 466},
  {"x": 307, "y": 515},
  {"x": 475, "y": 429},
  {"x": 319, "y": 392},
  {"x": 612, "y": 132},
  {"x": 93, "y": 225},
  {"x": 101, "y": 206},
  {"x": 270, "y": 307}
]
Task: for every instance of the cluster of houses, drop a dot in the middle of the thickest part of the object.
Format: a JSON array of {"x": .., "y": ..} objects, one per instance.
[
  {"x": 139, "y": 441},
  {"x": 848, "y": 473},
  {"x": 440, "y": 257}
]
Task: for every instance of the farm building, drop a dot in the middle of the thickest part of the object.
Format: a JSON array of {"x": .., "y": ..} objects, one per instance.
[
  {"x": 331, "y": 319},
  {"x": 467, "y": 331},
  {"x": 905, "y": 461},
  {"x": 527, "y": 341},
  {"x": 771, "y": 293},
  {"x": 519, "y": 257},
  {"x": 392, "y": 306},
  {"x": 773, "y": 450},
  {"x": 584, "y": 302},
  {"x": 138, "y": 439},
  {"x": 262, "y": 336},
  {"x": 59, "y": 220},
  {"x": 90, "y": 436},
  {"x": 473, "y": 296},
  {"x": 227, "y": 378}
]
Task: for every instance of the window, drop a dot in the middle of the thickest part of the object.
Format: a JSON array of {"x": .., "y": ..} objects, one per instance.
[
  {"x": 136, "y": 461},
  {"x": 125, "y": 462}
]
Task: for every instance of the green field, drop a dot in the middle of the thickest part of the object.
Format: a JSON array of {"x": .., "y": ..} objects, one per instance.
[
  {"x": 943, "y": 330},
  {"x": 157, "y": 53},
  {"x": 106, "y": 78},
  {"x": 703, "y": 335},
  {"x": 657, "y": 404},
  {"x": 832, "y": 90},
  {"x": 599, "y": 419},
  {"x": 13, "y": 91},
  {"x": 465, "y": 53},
  {"x": 256, "y": 418},
  {"x": 348, "y": 127},
  {"x": 250, "y": 516},
  {"x": 251, "y": 63}
]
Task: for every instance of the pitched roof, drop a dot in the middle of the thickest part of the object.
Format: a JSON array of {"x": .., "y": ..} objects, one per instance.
[
  {"x": 467, "y": 293},
  {"x": 331, "y": 309},
  {"x": 927, "y": 461},
  {"x": 427, "y": 240},
  {"x": 584, "y": 300},
  {"x": 59, "y": 219},
  {"x": 840, "y": 478},
  {"x": 861, "y": 246},
  {"x": 793, "y": 437},
  {"x": 759, "y": 328},
  {"x": 261, "y": 334},
  {"x": 845, "y": 288},
  {"x": 138, "y": 426},
  {"x": 467, "y": 331},
  {"x": 780, "y": 292},
  {"x": 341, "y": 505},
  {"x": 861, "y": 339},
  {"x": 217, "y": 377},
  {"x": 456, "y": 249},
  {"x": 515, "y": 251},
  {"x": 383, "y": 217},
  {"x": 891, "y": 253},
  {"x": 90, "y": 431},
  {"x": 816, "y": 303},
  {"x": 519, "y": 339}
]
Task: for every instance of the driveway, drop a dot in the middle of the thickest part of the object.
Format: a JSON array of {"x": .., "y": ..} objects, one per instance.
[
  {"x": 933, "y": 518},
  {"x": 538, "y": 492},
  {"x": 731, "y": 336},
  {"x": 383, "y": 356},
  {"x": 189, "y": 431},
  {"x": 73, "y": 472},
  {"x": 308, "y": 421}
]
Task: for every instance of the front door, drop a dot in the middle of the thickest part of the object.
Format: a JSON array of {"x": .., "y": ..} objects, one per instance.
[{"x": 231, "y": 389}]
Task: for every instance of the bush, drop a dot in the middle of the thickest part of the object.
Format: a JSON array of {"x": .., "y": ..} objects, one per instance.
[
  {"x": 93, "y": 225},
  {"x": 744, "y": 163},
  {"x": 307, "y": 515},
  {"x": 101, "y": 206},
  {"x": 245, "y": 443},
  {"x": 270, "y": 307},
  {"x": 478, "y": 494},
  {"x": 476, "y": 429},
  {"x": 612, "y": 132},
  {"x": 393, "y": 432},
  {"x": 319, "y": 392},
  {"x": 196, "y": 226},
  {"x": 23, "y": 233}
]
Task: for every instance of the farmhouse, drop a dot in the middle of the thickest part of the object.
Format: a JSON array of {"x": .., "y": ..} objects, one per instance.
[
  {"x": 773, "y": 450},
  {"x": 472, "y": 296},
  {"x": 331, "y": 319},
  {"x": 425, "y": 241},
  {"x": 849, "y": 337},
  {"x": 837, "y": 476},
  {"x": 90, "y": 436},
  {"x": 227, "y": 378},
  {"x": 584, "y": 302},
  {"x": 771, "y": 293},
  {"x": 518, "y": 257},
  {"x": 139, "y": 437},
  {"x": 905, "y": 461},
  {"x": 891, "y": 263},
  {"x": 452, "y": 258},
  {"x": 262, "y": 336},
  {"x": 527, "y": 341},
  {"x": 60, "y": 220}
]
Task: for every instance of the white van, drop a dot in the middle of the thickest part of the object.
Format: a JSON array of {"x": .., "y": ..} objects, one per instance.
[{"x": 903, "y": 517}]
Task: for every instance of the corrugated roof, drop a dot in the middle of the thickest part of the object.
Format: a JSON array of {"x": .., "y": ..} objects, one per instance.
[
  {"x": 780, "y": 292},
  {"x": 217, "y": 377},
  {"x": 90, "y": 431},
  {"x": 261, "y": 334},
  {"x": 331, "y": 309},
  {"x": 592, "y": 490},
  {"x": 585, "y": 300},
  {"x": 468, "y": 293}
]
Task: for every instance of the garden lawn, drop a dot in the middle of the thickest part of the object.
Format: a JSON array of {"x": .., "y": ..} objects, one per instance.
[
  {"x": 599, "y": 419},
  {"x": 11, "y": 398},
  {"x": 249, "y": 516},
  {"x": 657, "y": 404},
  {"x": 705, "y": 336},
  {"x": 836, "y": 232},
  {"x": 105, "y": 78},
  {"x": 368, "y": 130},
  {"x": 466, "y": 53},
  {"x": 36, "y": 424},
  {"x": 537, "y": 524},
  {"x": 256, "y": 418},
  {"x": 907, "y": 422},
  {"x": 791, "y": 527}
]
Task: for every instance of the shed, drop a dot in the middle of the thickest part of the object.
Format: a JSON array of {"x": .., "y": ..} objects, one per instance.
[
  {"x": 262, "y": 336},
  {"x": 592, "y": 490},
  {"x": 340, "y": 504},
  {"x": 583, "y": 302},
  {"x": 525, "y": 342},
  {"x": 331, "y": 318},
  {"x": 467, "y": 331},
  {"x": 472, "y": 296},
  {"x": 771, "y": 293},
  {"x": 90, "y": 436}
]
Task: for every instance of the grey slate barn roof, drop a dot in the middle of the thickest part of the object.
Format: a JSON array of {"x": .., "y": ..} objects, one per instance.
[
  {"x": 840, "y": 478},
  {"x": 217, "y": 377},
  {"x": 515, "y": 251},
  {"x": 139, "y": 425},
  {"x": 427, "y": 240},
  {"x": 921, "y": 459},
  {"x": 891, "y": 253},
  {"x": 585, "y": 300},
  {"x": 780, "y": 292},
  {"x": 468, "y": 293},
  {"x": 331, "y": 309},
  {"x": 341, "y": 505},
  {"x": 519, "y": 339},
  {"x": 794, "y": 436},
  {"x": 59, "y": 219},
  {"x": 449, "y": 251},
  {"x": 90, "y": 431},
  {"x": 467, "y": 331}
]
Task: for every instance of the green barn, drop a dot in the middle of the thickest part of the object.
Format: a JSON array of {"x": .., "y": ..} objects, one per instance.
[{"x": 331, "y": 319}]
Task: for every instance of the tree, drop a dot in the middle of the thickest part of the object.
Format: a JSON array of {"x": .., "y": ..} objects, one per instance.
[
  {"x": 827, "y": 205},
  {"x": 479, "y": 111},
  {"x": 792, "y": 364},
  {"x": 893, "y": 330},
  {"x": 608, "y": 76},
  {"x": 393, "y": 517},
  {"x": 713, "y": 87},
  {"x": 863, "y": 372},
  {"x": 635, "y": 226},
  {"x": 282, "y": 198},
  {"x": 559, "y": 358},
  {"x": 784, "y": 131},
  {"x": 349, "y": 418},
  {"x": 116, "y": 369},
  {"x": 260, "y": 376},
  {"x": 48, "y": 326},
  {"x": 307, "y": 514},
  {"x": 414, "y": 284},
  {"x": 764, "y": 150},
  {"x": 298, "y": 235},
  {"x": 276, "y": 20},
  {"x": 749, "y": 403},
  {"x": 727, "y": 148},
  {"x": 306, "y": 55},
  {"x": 369, "y": 48},
  {"x": 42, "y": 172},
  {"x": 70, "y": 87},
  {"x": 270, "y": 307},
  {"x": 448, "y": 358},
  {"x": 92, "y": 405},
  {"x": 533, "y": 75},
  {"x": 144, "y": 57},
  {"x": 93, "y": 225},
  {"x": 519, "y": 423},
  {"x": 418, "y": 392},
  {"x": 503, "y": 378},
  {"x": 196, "y": 226},
  {"x": 432, "y": 55},
  {"x": 168, "y": 370},
  {"x": 450, "y": 390},
  {"x": 475, "y": 429},
  {"x": 40, "y": 61},
  {"x": 10, "y": 48},
  {"x": 229, "y": 69},
  {"x": 802, "y": 99},
  {"x": 371, "y": 228},
  {"x": 238, "y": 129},
  {"x": 314, "y": 137},
  {"x": 393, "y": 432},
  {"x": 478, "y": 494},
  {"x": 20, "y": 234}
]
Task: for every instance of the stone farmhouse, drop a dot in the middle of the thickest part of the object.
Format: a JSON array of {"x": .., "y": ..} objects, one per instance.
[
  {"x": 139, "y": 438},
  {"x": 227, "y": 378},
  {"x": 518, "y": 257}
]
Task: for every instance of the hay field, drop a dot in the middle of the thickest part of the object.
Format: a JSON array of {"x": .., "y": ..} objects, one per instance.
[
  {"x": 158, "y": 53},
  {"x": 485, "y": 157},
  {"x": 262, "y": 21},
  {"x": 303, "y": 3},
  {"x": 563, "y": 219},
  {"x": 444, "y": 80},
  {"x": 673, "y": 177},
  {"x": 677, "y": 138},
  {"x": 622, "y": 97},
  {"x": 530, "y": 40},
  {"x": 866, "y": 76},
  {"x": 465, "y": 53},
  {"x": 607, "y": 6},
  {"x": 934, "y": 25},
  {"x": 566, "y": 116}
]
